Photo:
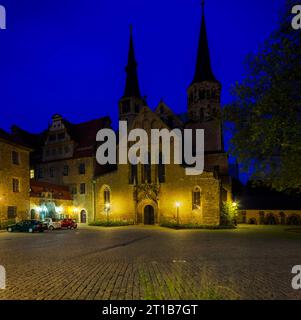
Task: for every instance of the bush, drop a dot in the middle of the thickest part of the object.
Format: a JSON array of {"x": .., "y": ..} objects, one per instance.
[
  {"x": 229, "y": 214},
  {"x": 191, "y": 226},
  {"x": 111, "y": 223}
]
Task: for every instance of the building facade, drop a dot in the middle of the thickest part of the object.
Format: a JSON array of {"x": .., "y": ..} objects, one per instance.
[
  {"x": 64, "y": 155},
  {"x": 14, "y": 179},
  {"x": 154, "y": 194}
]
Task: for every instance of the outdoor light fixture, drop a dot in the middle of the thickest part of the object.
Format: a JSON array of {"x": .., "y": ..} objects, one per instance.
[
  {"x": 234, "y": 204},
  {"x": 178, "y": 204}
]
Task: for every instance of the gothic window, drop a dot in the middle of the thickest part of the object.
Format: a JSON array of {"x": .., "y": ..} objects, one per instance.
[
  {"x": 107, "y": 195},
  {"x": 133, "y": 173},
  {"x": 146, "y": 171},
  {"x": 161, "y": 169},
  {"x": 196, "y": 198}
]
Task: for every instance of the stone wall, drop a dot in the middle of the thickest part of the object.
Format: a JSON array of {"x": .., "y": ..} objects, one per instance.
[
  {"x": 283, "y": 217},
  {"x": 128, "y": 201},
  {"x": 9, "y": 171}
]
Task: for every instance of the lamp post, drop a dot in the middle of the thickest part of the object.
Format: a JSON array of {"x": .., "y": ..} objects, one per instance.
[
  {"x": 178, "y": 213},
  {"x": 107, "y": 209}
]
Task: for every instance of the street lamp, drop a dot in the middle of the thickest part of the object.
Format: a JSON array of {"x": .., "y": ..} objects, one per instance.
[
  {"x": 107, "y": 209},
  {"x": 178, "y": 209}
]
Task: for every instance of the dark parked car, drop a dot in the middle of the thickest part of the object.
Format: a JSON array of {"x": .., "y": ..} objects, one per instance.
[
  {"x": 27, "y": 226},
  {"x": 69, "y": 224}
]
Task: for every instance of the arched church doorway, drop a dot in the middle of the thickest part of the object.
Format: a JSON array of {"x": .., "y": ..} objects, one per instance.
[
  {"x": 149, "y": 215},
  {"x": 83, "y": 216}
]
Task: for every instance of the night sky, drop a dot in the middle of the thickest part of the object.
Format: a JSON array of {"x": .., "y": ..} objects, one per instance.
[{"x": 68, "y": 56}]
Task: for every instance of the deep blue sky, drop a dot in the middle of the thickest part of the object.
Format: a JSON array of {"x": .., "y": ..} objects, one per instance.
[{"x": 68, "y": 56}]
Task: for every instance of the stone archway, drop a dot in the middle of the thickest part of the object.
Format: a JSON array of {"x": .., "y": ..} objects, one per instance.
[
  {"x": 147, "y": 212},
  {"x": 149, "y": 215},
  {"x": 83, "y": 216}
]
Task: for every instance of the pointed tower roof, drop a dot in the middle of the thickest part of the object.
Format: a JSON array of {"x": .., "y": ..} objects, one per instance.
[
  {"x": 203, "y": 71},
  {"x": 132, "y": 84}
]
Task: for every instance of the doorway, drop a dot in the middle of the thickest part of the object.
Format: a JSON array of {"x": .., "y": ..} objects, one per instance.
[
  {"x": 149, "y": 215},
  {"x": 83, "y": 216}
]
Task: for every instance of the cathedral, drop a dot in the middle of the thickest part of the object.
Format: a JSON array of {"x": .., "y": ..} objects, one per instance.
[
  {"x": 66, "y": 180},
  {"x": 156, "y": 194}
]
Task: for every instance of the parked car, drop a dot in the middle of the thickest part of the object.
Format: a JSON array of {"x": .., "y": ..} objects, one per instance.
[
  {"x": 52, "y": 223},
  {"x": 68, "y": 224},
  {"x": 27, "y": 226}
]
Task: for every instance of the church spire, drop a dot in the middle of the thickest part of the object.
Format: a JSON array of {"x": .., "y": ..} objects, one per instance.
[
  {"x": 132, "y": 84},
  {"x": 203, "y": 71}
]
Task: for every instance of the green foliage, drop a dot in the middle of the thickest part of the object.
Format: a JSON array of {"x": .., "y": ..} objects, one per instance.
[
  {"x": 111, "y": 223},
  {"x": 265, "y": 116},
  {"x": 174, "y": 225},
  {"x": 229, "y": 214}
]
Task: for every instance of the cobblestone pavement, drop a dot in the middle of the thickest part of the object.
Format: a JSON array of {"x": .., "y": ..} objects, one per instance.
[{"x": 151, "y": 263}]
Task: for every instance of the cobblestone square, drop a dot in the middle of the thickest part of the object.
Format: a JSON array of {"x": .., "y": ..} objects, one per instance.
[{"x": 252, "y": 262}]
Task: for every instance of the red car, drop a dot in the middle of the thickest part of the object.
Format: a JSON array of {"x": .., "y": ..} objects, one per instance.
[{"x": 68, "y": 224}]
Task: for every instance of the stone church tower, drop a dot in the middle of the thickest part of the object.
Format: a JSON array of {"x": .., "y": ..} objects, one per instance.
[
  {"x": 131, "y": 102},
  {"x": 204, "y": 95}
]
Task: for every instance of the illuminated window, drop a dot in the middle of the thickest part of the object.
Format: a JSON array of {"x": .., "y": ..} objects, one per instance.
[{"x": 32, "y": 174}]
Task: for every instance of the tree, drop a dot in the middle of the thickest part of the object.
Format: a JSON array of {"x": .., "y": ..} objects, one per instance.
[{"x": 265, "y": 115}]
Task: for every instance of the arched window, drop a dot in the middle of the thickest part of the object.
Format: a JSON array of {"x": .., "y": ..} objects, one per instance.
[
  {"x": 161, "y": 169},
  {"x": 147, "y": 171},
  {"x": 133, "y": 174},
  {"x": 107, "y": 195},
  {"x": 196, "y": 198}
]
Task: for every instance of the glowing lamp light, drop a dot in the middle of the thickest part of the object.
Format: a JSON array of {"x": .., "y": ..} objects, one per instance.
[
  {"x": 107, "y": 205},
  {"x": 234, "y": 204},
  {"x": 59, "y": 209},
  {"x": 178, "y": 204}
]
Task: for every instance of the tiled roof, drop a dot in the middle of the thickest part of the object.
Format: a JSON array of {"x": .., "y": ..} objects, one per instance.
[{"x": 11, "y": 139}]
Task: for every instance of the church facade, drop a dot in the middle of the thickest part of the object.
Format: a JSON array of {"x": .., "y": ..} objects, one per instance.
[{"x": 155, "y": 194}]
